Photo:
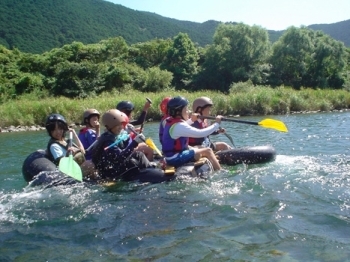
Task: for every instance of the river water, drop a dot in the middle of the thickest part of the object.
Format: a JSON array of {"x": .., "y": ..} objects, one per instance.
[{"x": 296, "y": 208}]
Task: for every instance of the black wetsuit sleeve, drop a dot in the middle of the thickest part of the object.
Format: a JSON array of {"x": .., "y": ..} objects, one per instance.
[{"x": 140, "y": 120}]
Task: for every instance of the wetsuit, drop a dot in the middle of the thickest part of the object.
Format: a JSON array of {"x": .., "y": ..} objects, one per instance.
[{"x": 117, "y": 160}]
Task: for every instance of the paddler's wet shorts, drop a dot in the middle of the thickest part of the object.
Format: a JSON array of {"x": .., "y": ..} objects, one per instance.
[{"x": 181, "y": 158}]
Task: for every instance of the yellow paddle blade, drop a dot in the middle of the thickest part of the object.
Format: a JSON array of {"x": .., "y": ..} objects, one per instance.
[
  {"x": 150, "y": 143},
  {"x": 275, "y": 124}
]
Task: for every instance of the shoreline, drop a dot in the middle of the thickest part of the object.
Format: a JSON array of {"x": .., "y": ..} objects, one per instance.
[
  {"x": 19, "y": 128},
  {"x": 12, "y": 128}
]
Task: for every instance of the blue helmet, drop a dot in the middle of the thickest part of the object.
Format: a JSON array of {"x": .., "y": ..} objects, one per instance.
[
  {"x": 125, "y": 105},
  {"x": 176, "y": 104}
]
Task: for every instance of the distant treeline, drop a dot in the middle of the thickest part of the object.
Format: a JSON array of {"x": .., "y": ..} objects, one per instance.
[{"x": 239, "y": 53}]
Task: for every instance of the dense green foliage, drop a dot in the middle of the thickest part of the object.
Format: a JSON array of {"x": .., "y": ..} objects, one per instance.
[
  {"x": 239, "y": 53},
  {"x": 181, "y": 60},
  {"x": 301, "y": 58},
  {"x": 36, "y": 26}
]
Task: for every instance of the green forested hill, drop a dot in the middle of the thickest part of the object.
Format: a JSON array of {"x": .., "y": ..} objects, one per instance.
[
  {"x": 40, "y": 25},
  {"x": 36, "y": 26},
  {"x": 339, "y": 31}
]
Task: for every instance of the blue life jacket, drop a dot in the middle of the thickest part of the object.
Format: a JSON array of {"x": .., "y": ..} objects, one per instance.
[{"x": 172, "y": 146}]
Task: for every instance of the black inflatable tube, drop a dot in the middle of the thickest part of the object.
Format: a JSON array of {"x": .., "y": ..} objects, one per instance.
[
  {"x": 39, "y": 170},
  {"x": 247, "y": 155},
  {"x": 151, "y": 175},
  {"x": 35, "y": 163}
]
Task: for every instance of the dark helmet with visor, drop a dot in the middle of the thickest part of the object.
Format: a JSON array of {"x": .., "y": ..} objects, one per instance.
[
  {"x": 52, "y": 120},
  {"x": 175, "y": 105},
  {"x": 125, "y": 106}
]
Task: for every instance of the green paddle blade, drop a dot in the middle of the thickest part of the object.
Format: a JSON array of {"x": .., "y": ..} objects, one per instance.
[
  {"x": 70, "y": 167},
  {"x": 274, "y": 124}
]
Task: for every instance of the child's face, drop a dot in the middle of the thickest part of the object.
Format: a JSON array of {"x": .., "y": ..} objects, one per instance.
[
  {"x": 185, "y": 113},
  {"x": 117, "y": 129},
  {"x": 206, "y": 111},
  {"x": 94, "y": 121},
  {"x": 58, "y": 132},
  {"x": 128, "y": 113}
]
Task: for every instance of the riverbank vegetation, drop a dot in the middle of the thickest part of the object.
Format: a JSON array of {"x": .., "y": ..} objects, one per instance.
[{"x": 243, "y": 99}]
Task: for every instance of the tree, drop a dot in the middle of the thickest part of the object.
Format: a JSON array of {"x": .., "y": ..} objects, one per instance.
[
  {"x": 328, "y": 65},
  {"x": 239, "y": 53},
  {"x": 151, "y": 53},
  {"x": 181, "y": 60},
  {"x": 303, "y": 57},
  {"x": 157, "y": 80}
]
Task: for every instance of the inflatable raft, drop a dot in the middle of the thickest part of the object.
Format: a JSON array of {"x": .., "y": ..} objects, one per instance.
[
  {"x": 247, "y": 155},
  {"x": 37, "y": 169}
]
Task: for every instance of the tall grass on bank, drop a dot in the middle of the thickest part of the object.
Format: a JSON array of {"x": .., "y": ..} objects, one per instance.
[{"x": 243, "y": 99}]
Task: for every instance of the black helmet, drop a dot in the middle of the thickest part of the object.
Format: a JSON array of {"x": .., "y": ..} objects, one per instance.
[
  {"x": 54, "y": 118},
  {"x": 125, "y": 105},
  {"x": 176, "y": 104},
  {"x": 51, "y": 122}
]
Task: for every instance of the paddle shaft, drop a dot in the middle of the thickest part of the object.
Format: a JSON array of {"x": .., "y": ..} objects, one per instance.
[
  {"x": 267, "y": 123},
  {"x": 149, "y": 101},
  {"x": 70, "y": 142},
  {"x": 231, "y": 120},
  {"x": 132, "y": 130},
  {"x": 91, "y": 146},
  {"x": 229, "y": 137}
]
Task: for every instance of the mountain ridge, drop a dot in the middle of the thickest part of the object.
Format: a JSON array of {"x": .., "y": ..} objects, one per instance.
[{"x": 38, "y": 26}]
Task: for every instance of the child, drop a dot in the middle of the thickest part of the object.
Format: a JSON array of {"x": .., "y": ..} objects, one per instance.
[
  {"x": 114, "y": 162},
  {"x": 164, "y": 109},
  {"x": 176, "y": 136},
  {"x": 202, "y": 106},
  {"x": 127, "y": 107},
  {"x": 91, "y": 131},
  {"x": 57, "y": 146}
]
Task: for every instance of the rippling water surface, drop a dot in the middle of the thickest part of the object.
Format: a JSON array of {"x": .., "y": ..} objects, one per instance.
[{"x": 294, "y": 209}]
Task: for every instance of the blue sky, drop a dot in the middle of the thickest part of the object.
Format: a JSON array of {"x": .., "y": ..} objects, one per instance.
[{"x": 270, "y": 14}]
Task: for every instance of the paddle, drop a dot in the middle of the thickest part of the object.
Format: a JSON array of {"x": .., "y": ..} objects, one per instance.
[
  {"x": 267, "y": 123},
  {"x": 151, "y": 144},
  {"x": 148, "y": 141},
  {"x": 149, "y": 101},
  {"x": 91, "y": 146},
  {"x": 69, "y": 166},
  {"x": 229, "y": 137}
]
